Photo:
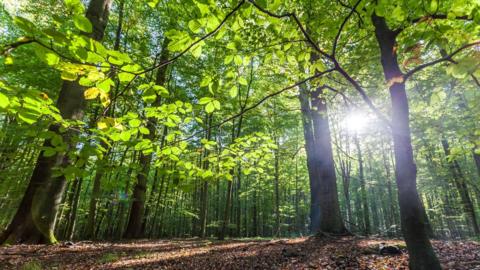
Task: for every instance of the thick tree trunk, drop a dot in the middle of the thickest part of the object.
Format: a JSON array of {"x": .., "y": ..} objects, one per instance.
[
  {"x": 312, "y": 170},
  {"x": 413, "y": 220},
  {"x": 330, "y": 217},
  {"x": 34, "y": 220},
  {"x": 134, "y": 226}
]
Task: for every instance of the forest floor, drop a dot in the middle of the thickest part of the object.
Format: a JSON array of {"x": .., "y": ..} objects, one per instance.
[{"x": 298, "y": 253}]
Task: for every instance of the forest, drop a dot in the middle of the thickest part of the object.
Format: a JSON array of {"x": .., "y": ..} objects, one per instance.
[{"x": 239, "y": 134}]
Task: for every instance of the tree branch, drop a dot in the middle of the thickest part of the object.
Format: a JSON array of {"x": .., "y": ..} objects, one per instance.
[
  {"x": 362, "y": 93},
  {"x": 12, "y": 46},
  {"x": 337, "y": 37},
  {"x": 443, "y": 59},
  {"x": 211, "y": 33},
  {"x": 299, "y": 24},
  {"x": 438, "y": 17},
  {"x": 258, "y": 103}
]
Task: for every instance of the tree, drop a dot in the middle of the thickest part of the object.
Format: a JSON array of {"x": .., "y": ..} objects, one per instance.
[{"x": 34, "y": 220}]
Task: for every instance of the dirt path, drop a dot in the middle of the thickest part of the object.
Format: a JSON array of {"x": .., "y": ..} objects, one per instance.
[{"x": 299, "y": 253}]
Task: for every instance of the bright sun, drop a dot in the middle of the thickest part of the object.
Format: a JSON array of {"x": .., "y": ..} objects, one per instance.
[{"x": 355, "y": 121}]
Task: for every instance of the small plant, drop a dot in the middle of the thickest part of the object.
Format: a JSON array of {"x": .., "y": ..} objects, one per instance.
[
  {"x": 32, "y": 265},
  {"x": 109, "y": 257}
]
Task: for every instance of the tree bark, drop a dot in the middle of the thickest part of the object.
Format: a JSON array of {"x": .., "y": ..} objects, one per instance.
[
  {"x": 312, "y": 170},
  {"x": 413, "y": 220},
  {"x": 331, "y": 220},
  {"x": 134, "y": 226},
  {"x": 204, "y": 189}
]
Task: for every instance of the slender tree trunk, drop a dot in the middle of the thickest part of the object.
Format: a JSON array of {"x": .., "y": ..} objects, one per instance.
[
  {"x": 363, "y": 188},
  {"x": 34, "y": 220},
  {"x": 72, "y": 215},
  {"x": 226, "y": 214},
  {"x": 134, "y": 226},
  {"x": 461, "y": 185},
  {"x": 413, "y": 220},
  {"x": 204, "y": 189},
  {"x": 277, "y": 195}
]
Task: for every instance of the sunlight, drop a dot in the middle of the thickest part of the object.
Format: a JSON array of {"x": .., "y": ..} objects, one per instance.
[{"x": 356, "y": 121}]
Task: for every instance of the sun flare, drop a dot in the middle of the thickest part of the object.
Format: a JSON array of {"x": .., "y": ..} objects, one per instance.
[{"x": 356, "y": 122}]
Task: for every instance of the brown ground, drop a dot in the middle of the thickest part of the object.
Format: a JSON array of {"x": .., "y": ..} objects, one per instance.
[{"x": 299, "y": 253}]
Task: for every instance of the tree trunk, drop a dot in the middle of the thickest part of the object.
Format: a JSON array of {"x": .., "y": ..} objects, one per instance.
[
  {"x": 277, "y": 195},
  {"x": 331, "y": 219},
  {"x": 90, "y": 227},
  {"x": 134, "y": 226},
  {"x": 312, "y": 170},
  {"x": 413, "y": 220},
  {"x": 72, "y": 214},
  {"x": 462, "y": 189},
  {"x": 34, "y": 220},
  {"x": 363, "y": 189},
  {"x": 204, "y": 189}
]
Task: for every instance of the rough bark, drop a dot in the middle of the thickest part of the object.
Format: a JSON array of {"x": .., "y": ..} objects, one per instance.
[
  {"x": 309, "y": 148},
  {"x": 330, "y": 217}
]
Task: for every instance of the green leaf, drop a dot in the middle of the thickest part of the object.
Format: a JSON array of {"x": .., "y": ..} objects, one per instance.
[
  {"x": 68, "y": 76},
  {"x": 228, "y": 59},
  {"x": 204, "y": 9},
  {"x": 210, "y": 107},
  {"x": 134, "y": 123},
  {"x": 47, "y": 56},
  {"x": 125, "y": 77},
  {"x": 194, "y": 26},
  {"x": 398, "y": 14},
  {"x": 49, "y": 152},
  {"x": 24, "y": 24},
  {"x": 152, "y": 3},
  {"x": 82, "y": 23},
  {"x": 125, "y": 136},
  {"x": 144, "y": 130},
  {"x": 75, "y": 5},
  {"x": 238, "y": 60},
  {"x": 8, "y": 60},
  {"x": 91, "y": 93},
  {"x": 433, "y": 6},
  {"x": 4, "y": 102},
  {"x": 216, "y": 103},
  {"x": 197, "y": 51},
  {"x": 204, "y": 100},
  {"x": 233, "y": 91},
  {"x": 242, "y": 81}
]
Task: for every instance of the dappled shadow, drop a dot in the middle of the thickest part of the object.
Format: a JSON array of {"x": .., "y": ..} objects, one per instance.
[{"x": 299, "y": 253}]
